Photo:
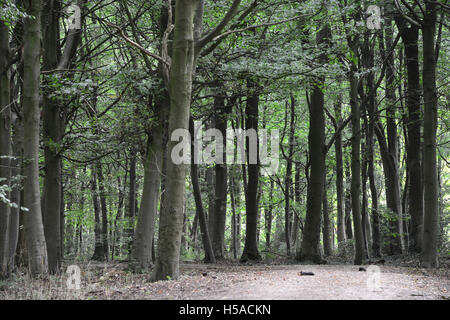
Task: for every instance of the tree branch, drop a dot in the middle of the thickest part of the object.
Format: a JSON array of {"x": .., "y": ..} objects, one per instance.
[{"x": 215, "y": 32}]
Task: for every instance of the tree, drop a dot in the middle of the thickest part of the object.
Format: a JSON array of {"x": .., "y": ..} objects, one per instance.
[
  {"x": 34, "y": 230},
  {"x": 251, "y": 251},
  {"x": 410, "y": 36},
  {"x": 431, "y": 220},
  {"x": 5, "y": 148},
  {"x": 180, "y": 88},
  {"x": 310, "y": 250}
]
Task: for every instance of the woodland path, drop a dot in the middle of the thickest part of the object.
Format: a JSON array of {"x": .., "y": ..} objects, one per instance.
[
  {"x": 335, "y": 282},
  {"x": 233, "y": 281}
]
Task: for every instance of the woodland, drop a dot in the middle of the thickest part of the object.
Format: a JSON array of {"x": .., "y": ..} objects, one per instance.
[{"x": 92, "y": 93}]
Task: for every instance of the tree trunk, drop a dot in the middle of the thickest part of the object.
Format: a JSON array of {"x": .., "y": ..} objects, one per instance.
[
  {"x": 207, "y": 244},
  {"x": 143, "y": 237},
  {"x": 410, "y": 37},
  {"x": 52, "y": 134},
  {"x": 389, "y": 149},
  {"x": 326, "y": 231},
  {"x": 16, "y": 169},
  {"x": 356, "y": 171},
  {"x": 310, "y": 247},
  {"x": 34, "y": 230},
  {"x": 104, "y": 210},
  {"x": 235, "y": 226},
  {"x": 99, "y": 253},
  {"x": 339, "y": 177},
  {"x": 116, "y": 229},
  {"x": 180, "y": 88},
  {"x": 221, "y": 187},
  {"x": 5, "y": 147},
  {"x": 370, "y": 119},
  {"x": 348, "y": 205},
  {"x": 297, "y": 200},
  {"x": 431, "y": 218},
  {"x": 288, "y": 178},
  {"x": 130, "y": 213},
  {"x": 269, "y": 217},
  {"x": 250, "y": 251}
]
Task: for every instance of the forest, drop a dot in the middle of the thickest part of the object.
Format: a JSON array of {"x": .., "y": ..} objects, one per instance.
[{"x": 173, "y": 142}]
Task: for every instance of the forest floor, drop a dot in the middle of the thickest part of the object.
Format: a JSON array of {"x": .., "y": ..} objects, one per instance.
[{"x": 397, "y": 280}]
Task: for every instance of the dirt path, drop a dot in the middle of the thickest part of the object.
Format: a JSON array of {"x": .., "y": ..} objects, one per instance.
[
  {"x": 329, "y": 282},
  {"x": 238, "y": 282}
]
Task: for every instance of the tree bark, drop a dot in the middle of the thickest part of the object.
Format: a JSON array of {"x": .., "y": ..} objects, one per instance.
[
  {"x": 104, "y": 211},
  {"x": 326, "y": 231},
  {"x": 356, "y": 171},
  {"x": 131, "y": 207},
  {"x": 221, "y": 186},
  {"x": 348, "y": 204},
  {"x": 52, "y": 133},
  {"x": 410, "y": 37},
  {"x": 99, "y": 253},
  {"x": 431, "y": 208},
  {"x": 34, "y": 230},
  {"x": 288, "y": 178},
  {"x": 143, "y": 237},
  {"x": 250, "y": 251},
  {"x": 5, "y": 148},
  {"x": 310, "y": 247},
  {"x": 180, "y": 89},
  {"x": 389, "y": 148},
  {"x": 339, "y": 177},
  {"x": 207, "y": 244}
]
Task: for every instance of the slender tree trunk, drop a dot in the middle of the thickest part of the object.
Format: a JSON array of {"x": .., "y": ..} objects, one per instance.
[
  {"x": 297, "y": 202},
  {"x": 5, "y": 147},
  {"x": 16, "y": 165},
  {"x": 310, "y": 247},
  {"x": 237, "y": 203},
  {"x": 269, "y": 217},
  {"x": 221, "y": 187},
  {"x": 234, "y": 220},
  {"x": 356, "y": 172},
  {"x": 339, "y": 177},
  {"x": 410, "y": 37},
  {"x": 348, "y": 205},
  {"x": 370, "y": 120},
  {"x": 180, "y": 88},
  {"x": 16, "y": 170},
  {"x": 250, "y": 251},
  {"x": 431, "y": 218},
  {"x": 207, "y": 244},
  {"x": 130, "y": 213},
  {"x": 104, "y": 210},
  {"x": 326, "y": 231},
  {"x": 52, "y": 132},
  {"x": 116, "y": 230},
  {"x": 99, "y": 253},
  {"x": 34, "y": 230},
  {"x": 143, "y": 237},
  {"x": 288, "y": 178}
]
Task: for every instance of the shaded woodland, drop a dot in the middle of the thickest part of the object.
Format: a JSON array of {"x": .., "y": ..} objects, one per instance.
[{"x": 91, "y": 92}]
